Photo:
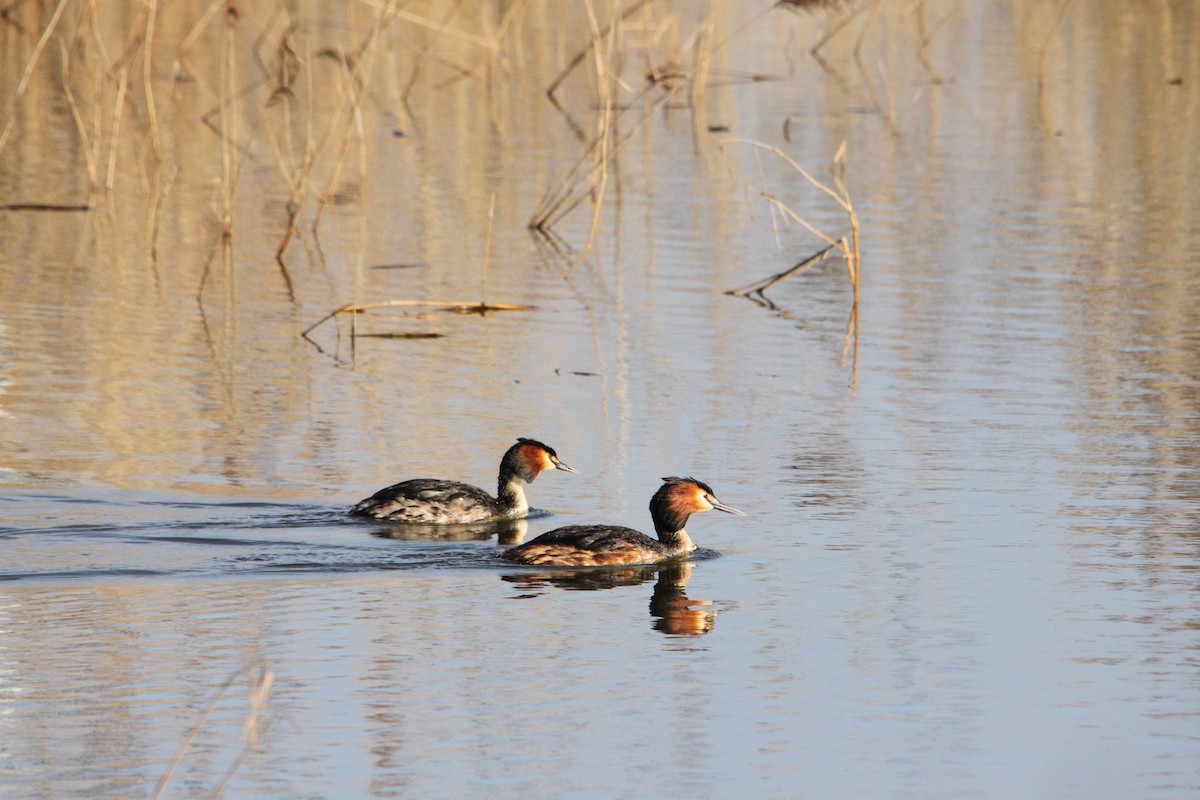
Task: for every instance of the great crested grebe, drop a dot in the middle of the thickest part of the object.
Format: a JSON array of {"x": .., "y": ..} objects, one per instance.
[
  {"x": 431, "y": 501},
  {"x": 601, "y": 545}
]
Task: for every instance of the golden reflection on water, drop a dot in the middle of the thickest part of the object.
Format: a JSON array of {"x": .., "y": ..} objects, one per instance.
[
  {"x": 671, "y": 610},
  {"x": 1029, "y": 366},
  {"x": 140, "y": 316}
]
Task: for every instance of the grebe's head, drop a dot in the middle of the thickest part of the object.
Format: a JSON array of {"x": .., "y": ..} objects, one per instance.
[
  {"x": 679, "y": 498},
  {"x": 529, "y": 457}
]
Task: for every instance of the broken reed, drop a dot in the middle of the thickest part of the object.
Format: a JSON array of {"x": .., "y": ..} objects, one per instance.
[{"x": 841, "y": 194}]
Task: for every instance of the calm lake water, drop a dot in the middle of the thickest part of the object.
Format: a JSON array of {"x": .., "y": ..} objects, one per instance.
[{"x": 972, "y": 563}]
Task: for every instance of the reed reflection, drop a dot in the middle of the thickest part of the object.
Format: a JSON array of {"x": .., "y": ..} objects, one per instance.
[{"x": 671, "y": 610}]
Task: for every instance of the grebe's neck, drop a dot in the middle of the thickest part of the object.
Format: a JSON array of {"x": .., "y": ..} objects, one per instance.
[
  {"x": 510, "y": 494},
  {"x": 677, "y": 543},
  {"x": 669, "y": 518}
]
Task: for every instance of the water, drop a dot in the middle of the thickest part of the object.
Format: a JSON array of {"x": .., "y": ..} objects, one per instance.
[{"x": 970, "y": 568}]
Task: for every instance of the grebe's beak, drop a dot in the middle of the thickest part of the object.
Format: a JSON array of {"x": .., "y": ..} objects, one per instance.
[
  {"x": 719, "y": 506},
  {"x": 560, "y": 465}
]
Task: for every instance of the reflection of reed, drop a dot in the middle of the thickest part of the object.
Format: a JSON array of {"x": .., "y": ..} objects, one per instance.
[
  {"x": 508, "y": 531},
  {"x": 672, "y": 611}
]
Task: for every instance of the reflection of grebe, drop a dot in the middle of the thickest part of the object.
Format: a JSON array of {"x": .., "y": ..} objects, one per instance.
[
  {"x": 583, "y": 579},
  {"x": 507, "y": 531},
  {"x": 601, "y": 545},
  {"x": 436, "y": 502},
  {"x": 674, "y": 609}
]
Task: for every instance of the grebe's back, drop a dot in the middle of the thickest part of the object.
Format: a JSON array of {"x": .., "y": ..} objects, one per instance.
[{"x": 432, "y": 501}]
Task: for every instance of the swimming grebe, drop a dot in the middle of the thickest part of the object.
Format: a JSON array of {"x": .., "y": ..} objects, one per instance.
[
  {"x": 599, "y": 545},
  {"x": 438, "y": 502}
]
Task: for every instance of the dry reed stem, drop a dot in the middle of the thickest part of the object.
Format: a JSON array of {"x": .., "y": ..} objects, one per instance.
[
  {"x": 189, "y": 41},
  {"x": 89, "y": 159},
  {"x": 438, "y": 31},
  {"x": 502, "y": 30},
  {"x": 762, "y": 176},
  {"x": 23, "y": 84},
  {"x": 1063, "y": 8},
  {"x": 93, "y": 13},
  {"x": 137, "y": 32},
  {"x": 791, "y": 163},
  {"x": 155, "y": 213},
  {"x": 850, "y": 250},
  {"x": 697, "y": 86},
  {"x": 348, "y": 96},
  {"x": 409, "y": 16},
  {"x": 848, "y": 14},
  {"x": 927, "y": 38},
  {"x": 605, "y": 78},
  {"x": 562, "y": 203},
  {"x": 851, "y": 338},
  {"x": 446, "y": 305},
  {"x": 862, "y": 35},
  {"x": 364, "y": 63},
  {"x": 555, "y": 206},
  {"x": 578, "y": 58},
  {"x": 852, "y": 253},
  {"x": 257, "y": 699},
  {"x": 229, "y": 165},
  {"x": 115, "y": 137},
  {"x": 147, "y": 75},
  {"x": 755, "y": 290},
  {"x": 786, "y": 211},
  {"x": 299, "y": 185}
]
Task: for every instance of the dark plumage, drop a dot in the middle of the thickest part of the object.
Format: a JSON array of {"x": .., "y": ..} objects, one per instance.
[
  {"x": 440, "y": 502},
  {"x": 602, "y": 545}
]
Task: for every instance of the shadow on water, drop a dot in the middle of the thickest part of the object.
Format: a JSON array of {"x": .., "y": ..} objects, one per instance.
[{"x": 671, "y": 610}]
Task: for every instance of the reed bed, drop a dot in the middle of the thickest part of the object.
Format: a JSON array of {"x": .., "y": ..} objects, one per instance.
[
  {"x": 109, "y": 72},
  {"x": 264, "y": 81}
]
